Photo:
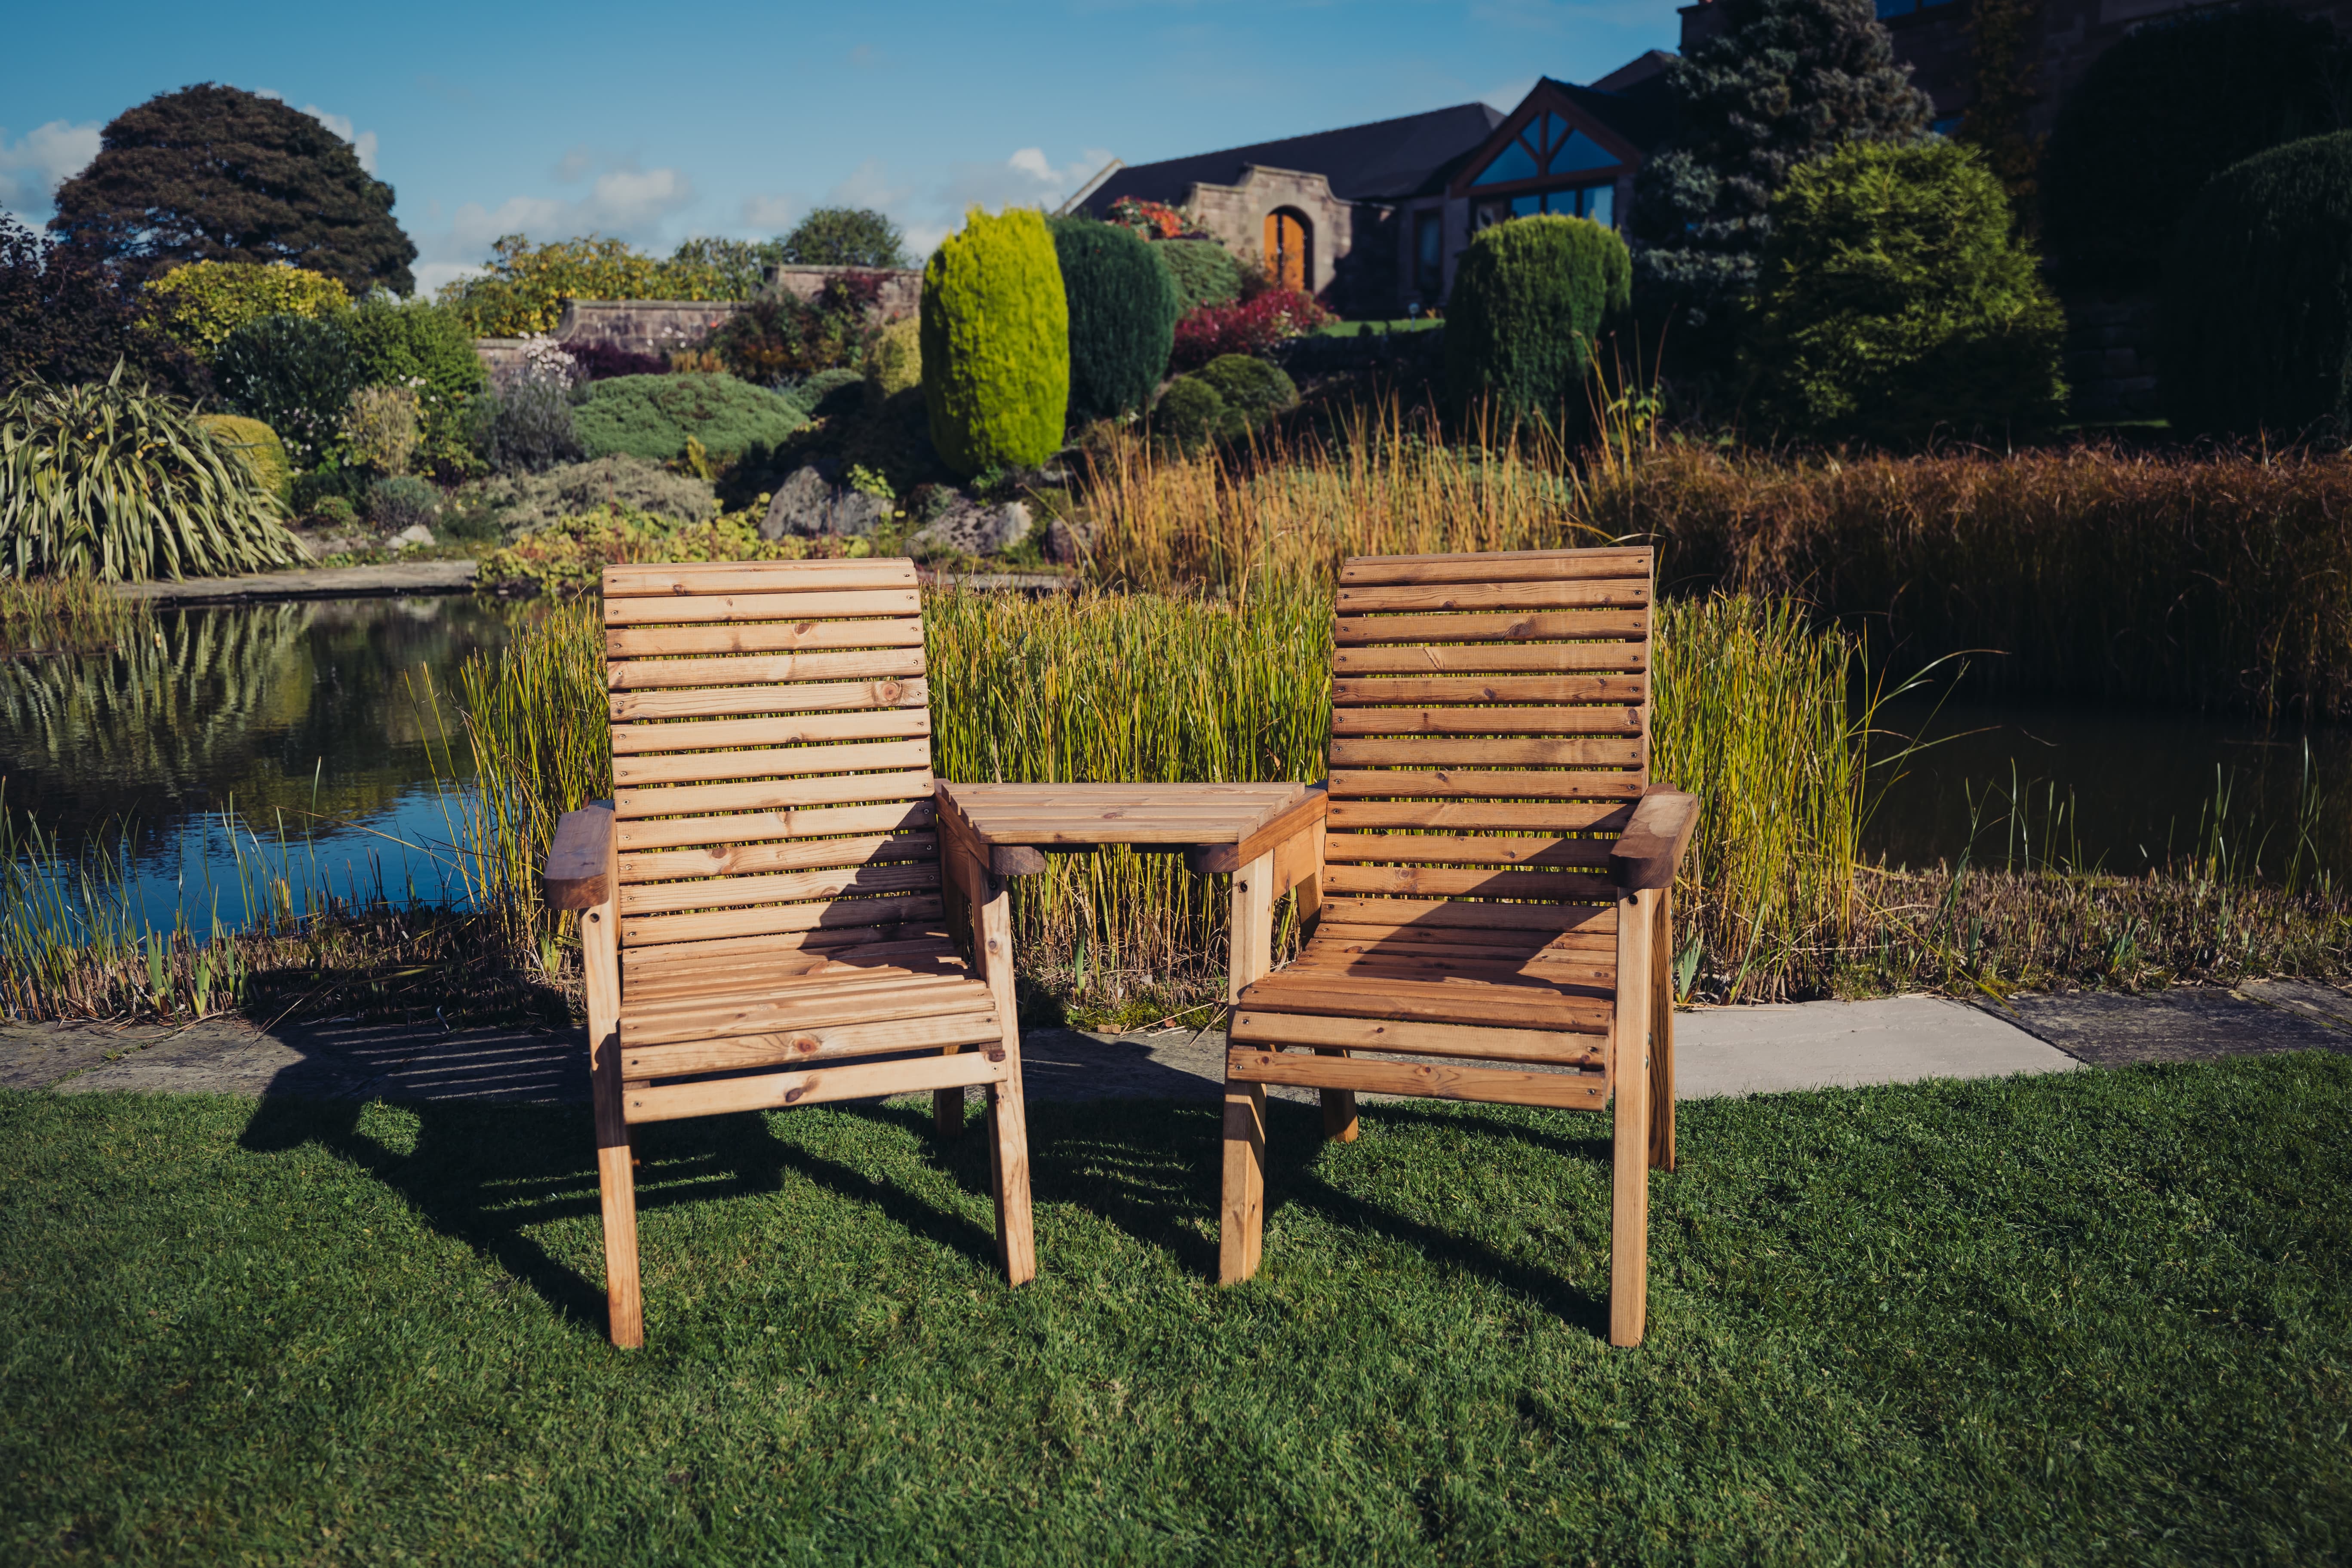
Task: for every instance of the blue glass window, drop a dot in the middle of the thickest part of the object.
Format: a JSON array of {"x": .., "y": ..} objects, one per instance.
[
  {"x": 1526, "y": 206},
  {"x": 1513, "y": 163},
  {"x": 1581, "y": 151},
  {"x": 1601, "y": 204},
  {"x": 1897, "y": 7}
]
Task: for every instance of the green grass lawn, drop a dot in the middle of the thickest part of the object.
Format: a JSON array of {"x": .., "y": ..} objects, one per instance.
[
  {"x": 1400, "y": 324},
  {"x": 2094, "y": 1318}
]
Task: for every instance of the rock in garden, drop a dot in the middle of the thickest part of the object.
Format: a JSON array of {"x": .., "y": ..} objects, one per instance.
[
  {"x": 808, "y": 504},
  {"x": 1066, "y": 542},
  {"x": 972, "y": 528},
  {"x": 416, "y": 536}
]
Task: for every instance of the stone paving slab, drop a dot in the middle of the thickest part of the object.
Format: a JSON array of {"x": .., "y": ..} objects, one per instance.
[
  {"x": 1718, "y": 1051},
  {"x": 316, "y": 583}
]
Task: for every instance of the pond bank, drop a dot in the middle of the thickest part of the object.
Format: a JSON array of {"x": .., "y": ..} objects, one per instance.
[{"x": 395, "y": 577}]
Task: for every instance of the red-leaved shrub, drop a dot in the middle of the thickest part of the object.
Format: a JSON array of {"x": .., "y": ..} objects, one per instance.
[{"x": 1249, "y": 327}]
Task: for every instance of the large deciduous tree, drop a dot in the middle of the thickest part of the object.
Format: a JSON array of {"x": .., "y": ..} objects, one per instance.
[
  {"x": 217, "y": 174},
  {"x": 1786, "y": 81},
  {"x": 844, "y": 237}
]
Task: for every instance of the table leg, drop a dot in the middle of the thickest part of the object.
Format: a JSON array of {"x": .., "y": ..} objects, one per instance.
[{"x": 1251, "y": 936}]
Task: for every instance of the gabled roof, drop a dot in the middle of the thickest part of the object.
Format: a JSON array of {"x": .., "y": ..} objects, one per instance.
[
  {"x": 1380, "y": 162},
  {"x": 1641, "y": 113}
]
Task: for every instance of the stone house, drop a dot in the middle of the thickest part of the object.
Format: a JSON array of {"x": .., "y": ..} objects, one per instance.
[{"x": 1375, "y": 217}]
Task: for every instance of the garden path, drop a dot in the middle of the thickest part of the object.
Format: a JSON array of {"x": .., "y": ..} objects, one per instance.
[
  {"x": 314, "y": 582},
  {"x": 1718, "y": 1051}
]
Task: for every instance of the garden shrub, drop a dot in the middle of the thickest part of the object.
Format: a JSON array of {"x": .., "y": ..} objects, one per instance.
[
  {"x": 112, "y": 479},
  {"x": 334, "y": 513},
  {"x": 65, "y": 317},
  {"x": 1190, "y": 414},
  {"x": 898, "y": 358},
  {"x": 334, "y": 483},
  {"x": 653, "y": 416},
  {"x": 1530, "y": 302},
  {"x": 199, "y": 304},
  {"x": 380, "y": 429},
  {"x": 602, "y": 362},
  {"x": 402, "y": 503},
  {"x": 425, "y": 348},
  {"x": 1897, "y": 299},
  {"x": 1252, "y": 389},
  {"x": 526, "y": 425},
  {"x": 831, "y": 393},
  {"x": 996, "y": 343},
  {"x": 524, "y": 503},
  {"x": 1252, "y": 326},
  {"x": 2164, "y": 109},
  {"x": 1123, "y": 309},
  {"x": 569, "y": 556},
  {"x": 1204, "y": 270},
  {"x": 781, "y": 336},
  {"x": 258, "y": 445},
  {"x": 294, "y": 373},
  {"x": 2256, "y": 318}
]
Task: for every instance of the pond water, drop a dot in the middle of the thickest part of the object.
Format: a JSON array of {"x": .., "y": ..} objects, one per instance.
[
  {"x": 313, "y": 720},
  {"x": 2118, "y": 789}
]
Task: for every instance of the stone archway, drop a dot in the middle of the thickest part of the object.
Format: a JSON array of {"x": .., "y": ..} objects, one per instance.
[{"x": 1289, "y": 249}]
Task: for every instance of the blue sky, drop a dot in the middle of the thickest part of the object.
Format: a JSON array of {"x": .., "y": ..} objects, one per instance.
[{"x": 652, "y": 123}]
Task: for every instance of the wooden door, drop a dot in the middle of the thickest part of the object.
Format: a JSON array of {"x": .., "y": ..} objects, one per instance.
[{"x": 1286, "y": 250}]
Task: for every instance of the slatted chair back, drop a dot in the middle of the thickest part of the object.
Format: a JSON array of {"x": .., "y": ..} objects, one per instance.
[
  {"x": 761, "y": 902},
  {"x": 1491, "y": 906},
  {"x": 772, "y": 759},
  {"x": 1489, "y": 726}
]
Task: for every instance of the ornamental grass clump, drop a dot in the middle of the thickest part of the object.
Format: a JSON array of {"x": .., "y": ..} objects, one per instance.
[
  {"x": 996, "y": 343},
  {"x": 110, "y": 479}
]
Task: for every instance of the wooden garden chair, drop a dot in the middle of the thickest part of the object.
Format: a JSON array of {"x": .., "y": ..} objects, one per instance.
[
  {"x": 1493, "y": 877},
  {"x": 762, "y": 900}
]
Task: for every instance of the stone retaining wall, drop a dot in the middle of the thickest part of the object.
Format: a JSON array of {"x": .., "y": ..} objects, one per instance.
[{"x": 658, "y": 326}]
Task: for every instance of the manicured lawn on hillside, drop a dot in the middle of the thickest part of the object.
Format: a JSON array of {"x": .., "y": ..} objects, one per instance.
[{"x": 2094, "y": 1318}]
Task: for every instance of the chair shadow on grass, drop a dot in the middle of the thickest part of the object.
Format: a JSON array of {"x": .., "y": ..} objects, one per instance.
[
  {"x": 1122, "y": 1165},
  {"x": 486, "y": 1175}
]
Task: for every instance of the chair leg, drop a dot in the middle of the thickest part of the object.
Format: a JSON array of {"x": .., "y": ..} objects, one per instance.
[
  {"x": 1241, "y": 1223},
  {"x": 1629, "y": 1209},
  {"x": 1662, "y": 1035},
  {"x": 625, "y": 1313},
  {"x": 624, "y": 1307},
  {"x": 1008, "y": 1172},
  {"x": 1339, "y": 1105},
  {"x": 947, "y": 1112}
]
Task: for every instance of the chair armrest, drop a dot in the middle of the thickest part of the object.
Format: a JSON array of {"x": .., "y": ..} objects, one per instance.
[
  {"x": 1649, "y": 849},
  {"x": 1220, "y": 859},
  {"x": 578, "y": 871}
]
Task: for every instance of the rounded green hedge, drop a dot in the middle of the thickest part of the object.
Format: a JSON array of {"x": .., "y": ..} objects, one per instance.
[
  {"x": 1123, "y": 310},
  {"x": 1204, "y": 270},
  {"x": 996, "y": 343},
  {"x": 2162, "y": 112},
  {"x": 1254, "y": 389},
  {"x": 1531, "y": 301},
  {"x": 2256, "y": 313},
  {"x": 258, "y": 445},
  {"x": 651, "y": 416},
  {"x": 1897, "y": 301}
]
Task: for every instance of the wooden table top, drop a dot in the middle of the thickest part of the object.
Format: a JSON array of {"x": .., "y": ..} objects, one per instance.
[{"x": 1080, "y": 816}]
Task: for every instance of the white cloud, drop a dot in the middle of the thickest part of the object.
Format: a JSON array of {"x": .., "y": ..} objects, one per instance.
[
  {"x": 577, "y": 165},
  {"x": 771, "y": 211},
  {"x": 34, "y": 164},
  {"x": 362, "y": 142},
  {"x": 1027, "y": 178},
  {"x": 623, "y": 203}
]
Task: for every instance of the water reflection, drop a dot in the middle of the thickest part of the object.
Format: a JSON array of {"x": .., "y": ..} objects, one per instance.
[
  {"x": 2124, "y": 789},
  {"x": 303, "y": 714}
]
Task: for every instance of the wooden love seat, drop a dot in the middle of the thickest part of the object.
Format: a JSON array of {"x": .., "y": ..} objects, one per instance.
[
  {"x": 761, "y": 901},
  {"x": 1494, "y": 877}
]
